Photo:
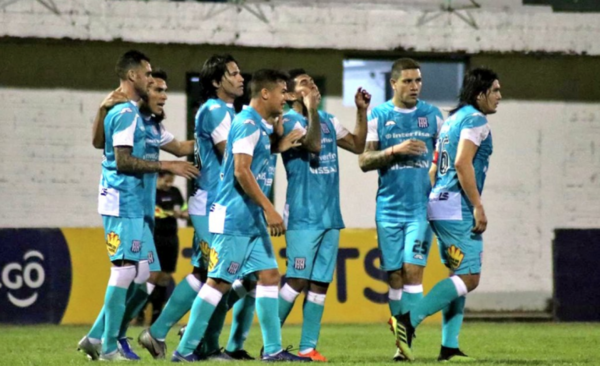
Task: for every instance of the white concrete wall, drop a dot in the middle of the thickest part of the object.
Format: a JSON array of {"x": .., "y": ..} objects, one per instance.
[
  {"x": 49, "y": 171},
  {"x": 340, "y": 25},
  {"x": 544, "y": 175}
]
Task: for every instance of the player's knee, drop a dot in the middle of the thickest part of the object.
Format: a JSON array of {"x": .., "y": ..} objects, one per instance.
[
  {"x": 298, "y": 284},
  {"x": 269, "y": 277},
  {"x": 143, "y": 272},
  {"x": 318, "y": 287},
  {"x": 412, "y": 274},
  {"x": 395, "y": 279}
]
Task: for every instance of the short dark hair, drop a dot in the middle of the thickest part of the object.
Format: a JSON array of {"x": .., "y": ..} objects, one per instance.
[
  {"x": 128, "y": 61},
  {"x": 266, "y": 78},
  {"x": 475, "y": 82},
  {"x": 214, "y": 69},
  {"x": 403, "y": 64},
  {"x": 159, "y": 73}
]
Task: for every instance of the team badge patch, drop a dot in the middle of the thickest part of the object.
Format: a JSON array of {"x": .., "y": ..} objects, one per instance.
[
  {"x": 150, "y": 257},
  {"x": 233, "y": 268},
  {"x": 324, "y": 128},
  {"x": 299, "y": 263},
  {"x": 112, "y": 242},
  {"x": 136, "y": 246},
  {"x": 455, "y": 257},
  {"x": 213, "y": 259},
  {"x": 422, "y": 121}
]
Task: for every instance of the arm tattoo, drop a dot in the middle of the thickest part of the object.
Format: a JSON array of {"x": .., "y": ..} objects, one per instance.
[
  {"x": 373, "y": 158},
  {"x": 312, "y": 140},
  {"x": 129, "y": 164}
]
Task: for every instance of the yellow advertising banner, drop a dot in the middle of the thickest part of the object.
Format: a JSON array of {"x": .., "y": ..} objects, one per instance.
[{"x": 358, "y": 293}]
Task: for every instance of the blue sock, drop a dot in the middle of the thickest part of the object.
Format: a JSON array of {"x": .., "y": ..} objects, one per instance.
[
  {"x": 287, "y": 297},
  {"x": 114, "y": 305},
  {"x": 202, "y": 309},
  {"x": 411, "y": 294},
  {"x": 135, "y": 302},
  {"x": 243, "y": 315},
  {"x": 394, "y": 301},
  {"x": 440, "y": 296},
  {"x": 210, "y": 343},
  {"x": 179, "y": 303},
  {"x": 452, "y": 319},
  {"x": 311, "y": 322},
  {"x": 266, "y": 308}
]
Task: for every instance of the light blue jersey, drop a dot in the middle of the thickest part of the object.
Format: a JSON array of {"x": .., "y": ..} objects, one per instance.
[
  {"x": 156, "y": 136},
  {"x": 404, "y": 186},
  {"x": 233, "y": 212},
  {"x": 313, "y": 193},
  {"x": 447, "y": 200},
  {"x": 122, "y": 194},
  {"x": 213, "y": 122}
]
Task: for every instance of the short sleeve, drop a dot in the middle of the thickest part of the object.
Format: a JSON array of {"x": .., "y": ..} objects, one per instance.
[
  {"x": 340, "y": 130},
  {"x": 245, "y": 135},
  {"x": 124, "y": 125},
  {"x": 475, "y": 128},
  {"x": 165, "y": 136},
  {"x": 372, "y": 126},
  {"x": 222, "y": 125}
]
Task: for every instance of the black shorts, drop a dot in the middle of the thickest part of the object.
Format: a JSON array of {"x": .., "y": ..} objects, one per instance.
[{"x": 167, "y": 248}]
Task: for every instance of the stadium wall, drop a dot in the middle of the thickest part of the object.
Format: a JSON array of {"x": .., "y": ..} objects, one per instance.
[
  {"x": 543, "y": 171},
  {"x": 59, "y": 276}
]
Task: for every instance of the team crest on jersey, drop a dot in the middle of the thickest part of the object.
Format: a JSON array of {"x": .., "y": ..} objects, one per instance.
[
  {"x": 112, "y": 242},
  {"x": 233, "y": 268},
  {"x": 136, "y": 246},
  {"x": 455, "y": 257},
  {"x": 324, "y": 128},
  {"x": 299, "y": 263},
  {"x": 423, "y": 123},
  {"x": 213, "y": 259},
  {"x": 150, "y": 257}
]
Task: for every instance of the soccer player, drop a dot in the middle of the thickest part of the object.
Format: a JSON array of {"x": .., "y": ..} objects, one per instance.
[
  {"x": 400, "y": 145},
  {"x": 312, "y": 211},
  {"x": 151, "y": 112},
  {"x": 456, "y": 212},
  {"x": 222, "y": 83},
  {"x": 240, "y": 218}
]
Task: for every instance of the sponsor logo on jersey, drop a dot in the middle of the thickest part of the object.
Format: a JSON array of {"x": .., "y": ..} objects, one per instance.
[
  {"x": 136, "y": 246},
  {"x": 126, "y": 110},
  {"x": 455, "y": 257},
  {"x": 422, "y": 122},
  {"x": 299, "y": 263},
  {"x": 249, "y": 121},
  {"x": 390, "y": 123},
  {"x": 112, "y": 242}
]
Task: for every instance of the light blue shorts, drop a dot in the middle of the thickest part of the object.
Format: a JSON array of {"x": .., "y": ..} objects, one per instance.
[
  {"x": 232, "y": 257},
  {"x": 123, "y": 237},
  {"x": 403, "y": 242},
  {"x": 202, "y": 240},
  {"x": 460, "y": 249},
  {"x": 149, "y": 247},
  {"x": 312, "y": 254}
]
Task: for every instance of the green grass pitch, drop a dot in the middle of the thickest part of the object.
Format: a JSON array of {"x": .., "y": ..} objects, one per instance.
[{"x": 373, "y": 344}]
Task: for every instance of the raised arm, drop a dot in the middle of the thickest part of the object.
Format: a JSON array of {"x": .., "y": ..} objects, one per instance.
[
  {"x": 312, "y": 139},
  {"x": 243, "y": 174},
  {"x": 355, "y": 142}
]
